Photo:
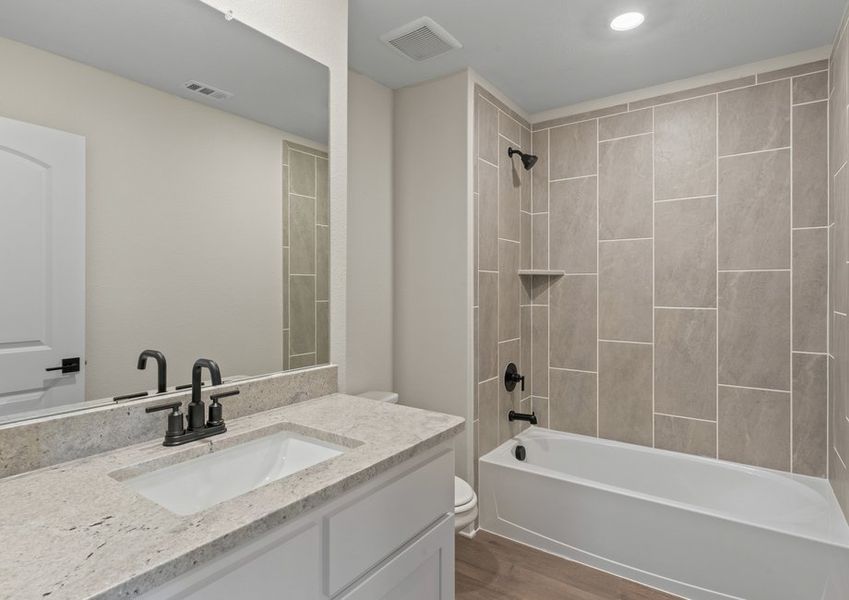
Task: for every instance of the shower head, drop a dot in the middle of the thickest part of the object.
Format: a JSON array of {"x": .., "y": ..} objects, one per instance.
[{"x": 528, "y": 160}]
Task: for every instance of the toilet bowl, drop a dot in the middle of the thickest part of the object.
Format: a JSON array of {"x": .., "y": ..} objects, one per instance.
[{"x": 465, "y": 499}]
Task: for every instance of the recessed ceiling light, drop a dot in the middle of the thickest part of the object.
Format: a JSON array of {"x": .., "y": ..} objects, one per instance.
[{"x": 630, "y": 20}]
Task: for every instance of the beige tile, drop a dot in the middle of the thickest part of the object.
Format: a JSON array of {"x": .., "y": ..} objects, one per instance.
[
  {"x": 625, "y": 392},
  {"x": 488, "y": 217},
  {"x": 527, "y": 241},
  {"x": 286, "y": 366},
  {"x": 508, "y": 290},
  {"x": 540, "y": 285},
  {"x": 322, "y": 248},
  {"x": 584, "y": 116},
  {"x": 838, "y": 126},
  {"x": 476, "y": 327},
  {"x": 301, "y": 173},
  {"x": 488, "y": 333},
  {"x": 302, "y": 318},
  {"x": 685, "y": 253},
  {"x": 685, "y": 149},
  {"x": 509, "y": 189},
  {"x": 527, "y": 176},
  {"x": 302, "y": 249},
  {"x": 794, "y": 71},
  {"x": 754, "y": 427},
  {"x": 301, "y": 361},
  {"x": 539, "y": 174},
  {"x": 286, "y": 285},
  {"x": 625, "y": 188},
  {"x": 625, "y": 124},
  {"x": 285, "y": 210},
  {"x": 754, "y": 211},
  {"x": 572, "y": 405},
  {"x": 685, "y": 435},
  {"x": 573, "y": 150},
  {"x": 509, "y": 352},
  {"x": 754, "y": 329},
  {"x": 539, "y": 406},
  {"x": 509, "y": 128},
  {"x": 810, "y": 290},
  {"x": 573, "y": 228},
  {"x": 685, "y": 363},
  {"x": 539, "y": 260},
  {"x": 539, "y": 367},
  {"x": 810, "y": 414},
  {"x": 526, "y": 341},
  {"x": 489, "y": 416},
  {"x": 810, "y": 88},
  {"x": 573, "y": 322},
  {"x": 322, "y": 192},
  {"x": 322, "y": 333},
  {"x": 487, "y": 131},
  {"x": 625, "y": 291},
  {"x": 693, "y": 92},
  {"x": 810, "y": 165},
  {"x": 755, "y": 118}
]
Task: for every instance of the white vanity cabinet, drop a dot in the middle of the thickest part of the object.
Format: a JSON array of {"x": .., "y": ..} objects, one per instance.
[{"x": 391, "y": 538}]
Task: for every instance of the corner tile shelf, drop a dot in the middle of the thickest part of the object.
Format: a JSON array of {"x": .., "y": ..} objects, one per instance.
[{"x": 540, "y": 273}]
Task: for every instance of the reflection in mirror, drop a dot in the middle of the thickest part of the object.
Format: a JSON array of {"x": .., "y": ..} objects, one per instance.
[{"x": 164, "y": 177}]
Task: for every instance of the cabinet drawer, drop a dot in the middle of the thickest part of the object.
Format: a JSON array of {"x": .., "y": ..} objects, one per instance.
[{"x": 363, "y": 533}]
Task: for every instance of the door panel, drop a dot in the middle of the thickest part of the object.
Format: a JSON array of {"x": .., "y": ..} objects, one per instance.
[{"x": 42, "y": 266}]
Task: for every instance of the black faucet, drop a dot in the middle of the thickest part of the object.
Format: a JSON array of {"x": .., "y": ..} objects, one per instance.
[
  {"x": 516, "y": 416},
  {"x": 161, "y": 368},
  {"x": 197, "y": 429}
]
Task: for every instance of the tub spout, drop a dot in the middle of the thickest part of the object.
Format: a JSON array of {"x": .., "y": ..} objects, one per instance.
[{"x": 514, "y": 416}]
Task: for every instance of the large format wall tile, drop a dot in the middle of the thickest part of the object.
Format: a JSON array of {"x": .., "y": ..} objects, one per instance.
[
  {"x": 302, "y": 318},
  {"x": 572, "y": 404},
  {"x": 631, "y": 123},
  {"x": 625, "y": 188},
  {"x": 508, "y": 290},
  {"x": 487, "y": 130},
  {"x": 539, "y": 367},
  {"x": 810, "y": 165},
  {"x": 573, "y": 322},
  {"x": 510, "y": 128},
  {"x": 685, "y": 363},
  {"x": 685, "y": 253},
  {"x": 754, "y": 211},
  {"x": 488, "y": 216},
  {"x": 810, "y": 290},
  {"x": 489, "y": 419},
  {"x": 509, "y": 352},
  {"x": 322, "y": 191},
  {"x": 302, "y": 250},
  {"x": 301, "y": 173},
  {"x": 539, "y": 254},
  {"x": 488, "y": 326},
  {"x": 685, "y": 149},
  {"x": 322, "y": 332},
  {"x": 685, "y": 435},
  {"x": 754, "y": 427},
  {"x": 625, "y": 392},
  {"x": 509, "y": 193},
  {"x": 810, "y": 414},
  {"x": 754, "y": 329},
  {"x": 573, "y": 150},
  {"x": 539, "y": 174},
  {"x": 810, "y": 88},
  {"x": 625, "y": 291},
  {"x": 322, "y": 263},
  {"x": 573, "y": 225},
  {"x": 755, "y": 118}
]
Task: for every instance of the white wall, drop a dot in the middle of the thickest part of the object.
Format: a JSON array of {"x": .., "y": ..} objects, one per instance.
[
  {"x": 433, "y": 284},
  {"x": 369, "y": 339},
  {"x": 319, "y": 29}
]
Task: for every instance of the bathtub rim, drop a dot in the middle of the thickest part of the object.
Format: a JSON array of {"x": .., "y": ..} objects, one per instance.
[{"x": 498, "y": 457}]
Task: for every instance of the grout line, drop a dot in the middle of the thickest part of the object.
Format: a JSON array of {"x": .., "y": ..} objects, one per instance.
[
  {"x": 792, "y": 204},
  {"x": 573, "y": 370},
  {"x": 686, "y": 198},
  {"x": 810, "y": 101},
  {"x": 716, "y": 266},
  {"x": 809, "y": 353},
  {"x": 753, "y": 270},
  {"x": 756, "y": 151},
  {"x": 598, "y": 286},
  {"x": 483, "y": 160},
  {"x": 625, "y": 137},
  {"x": 653, "y": 283},
  {"x": 626, "y": 342},
  {"x": 812, "y": 227},
  {"x": 758, "y": 389},
  {"x": 685, "y": 308},
  {"x": 660, "y": 414},
  {"x": 550, "y": 181},
  {"x": 625, "y": 240}
]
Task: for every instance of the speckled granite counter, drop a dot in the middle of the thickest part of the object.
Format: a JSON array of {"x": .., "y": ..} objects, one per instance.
[{"x": 74, "y": 531}]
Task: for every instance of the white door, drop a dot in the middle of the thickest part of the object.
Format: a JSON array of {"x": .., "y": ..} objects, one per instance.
[{"x": 42, "y": 267}]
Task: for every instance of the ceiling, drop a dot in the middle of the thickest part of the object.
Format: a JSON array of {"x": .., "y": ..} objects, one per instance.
[
  {"x": 546, "y": 54},
  {"x": 164, "y": 43}
]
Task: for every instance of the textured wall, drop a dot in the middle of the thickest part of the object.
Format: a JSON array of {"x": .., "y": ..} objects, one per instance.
[
  {"x": 839, "y": 280},
  {"x": 692, "y": 228}
]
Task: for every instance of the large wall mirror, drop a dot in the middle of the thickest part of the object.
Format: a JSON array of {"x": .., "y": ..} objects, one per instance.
[{"x": 163, "y": 186}]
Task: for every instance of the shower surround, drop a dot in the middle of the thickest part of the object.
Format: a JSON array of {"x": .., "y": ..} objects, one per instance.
[{"x": 693, "y": 230}]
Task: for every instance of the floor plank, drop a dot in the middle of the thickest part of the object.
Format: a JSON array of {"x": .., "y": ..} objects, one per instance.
[{"x": 490, "y": 567}]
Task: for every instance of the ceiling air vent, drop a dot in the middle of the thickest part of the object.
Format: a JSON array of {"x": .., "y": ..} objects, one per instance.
[
  {"x": 421, "y": 39},
  {"x": 207, "y": 90}
]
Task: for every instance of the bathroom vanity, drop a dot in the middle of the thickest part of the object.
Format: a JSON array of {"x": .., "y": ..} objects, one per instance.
[{"x": 371, "y": 516}]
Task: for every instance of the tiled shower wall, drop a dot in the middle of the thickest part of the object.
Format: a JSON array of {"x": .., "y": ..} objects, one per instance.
[
  {"x": 693, "y": 231},
  {"x": 306, "y": 255},
  {"x": 502, "y": 200},
  {"x": 838, "y": 271}
]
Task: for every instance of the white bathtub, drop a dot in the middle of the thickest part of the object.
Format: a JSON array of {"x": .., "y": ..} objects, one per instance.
[{"x": 696, "y": 527}]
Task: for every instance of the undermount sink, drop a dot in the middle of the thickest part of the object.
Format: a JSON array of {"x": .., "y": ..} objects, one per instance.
[{"x": 200, "y": 483}]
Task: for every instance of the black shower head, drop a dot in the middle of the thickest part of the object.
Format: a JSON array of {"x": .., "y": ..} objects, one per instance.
[{"x": 528, "y": 160}]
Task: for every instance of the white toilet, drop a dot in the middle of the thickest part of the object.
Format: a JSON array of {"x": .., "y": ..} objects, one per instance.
[{"x": 465, "y": 499}]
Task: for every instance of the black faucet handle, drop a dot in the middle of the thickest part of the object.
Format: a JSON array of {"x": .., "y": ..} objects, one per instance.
[
  {"x": 216, "y": 412},
  {"x": 175, "y": 419},
  {"x": 175, "y": 406},
  {"x": 217, "y": 397}
]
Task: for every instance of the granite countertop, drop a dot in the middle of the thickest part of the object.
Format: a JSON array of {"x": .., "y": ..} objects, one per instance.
[{"x": 74, "y": 530}]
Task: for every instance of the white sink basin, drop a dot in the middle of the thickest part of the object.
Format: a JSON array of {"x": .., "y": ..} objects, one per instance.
[{"x": 194, "y": 485}]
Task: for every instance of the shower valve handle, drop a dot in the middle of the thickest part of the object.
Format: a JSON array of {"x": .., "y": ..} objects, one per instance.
[{"x": 512, "y": 377}]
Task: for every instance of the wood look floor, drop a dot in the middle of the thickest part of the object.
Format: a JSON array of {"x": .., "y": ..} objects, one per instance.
[{"x": 490, "y": 567}]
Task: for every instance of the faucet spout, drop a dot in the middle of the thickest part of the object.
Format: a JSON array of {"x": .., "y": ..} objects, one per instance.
[
  {"x": 161, "y": 368},
  {"x": 196, "y": 412}
]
